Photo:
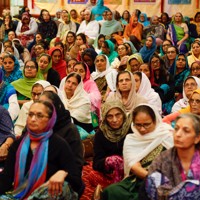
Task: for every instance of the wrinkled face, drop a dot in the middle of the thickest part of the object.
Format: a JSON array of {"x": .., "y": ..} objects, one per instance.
[
  {"x": 115, "y": 118},
  {"x": 184, "y": 134},
  {"x": 65, "y": 17},
  {"x": 194, "y": 102},
  {"x": 189, "y": 86},
  {"x": 56, "y": 56},
  {"x": 36, "y": 92},
  {"x": 70, "y": 86},
  {"x": 181, "y": 62},
  {"x": 100, "y": 63},
  {"x": 30, "y": 70},
  {"x": 142, "y": 18},
  {"x": 155, "y": 63},
  {"x": 11, "y": 35},
  {"x": 38, "y": 118},
  {"x": 80, "y": 70},
  {"x": 43, "y": 62},
  {"x": 8, "y": 65},
  {"x": 109, "y": 16},
  {"x": 155, "y": 20},
  {"x": 196, "y": 49},
  {"x": 70, "y": 66},
  {"x": 178, "y": 17},
  {"x": 144, "y": 123},
  {"x": 134, "y": 64},
  {"x": 195, "y": 70},
  {"x": 87, "y": 15},
  {"x": 149, "y": 42},
  {"x": 124, "y": 83},
  {"x": 88, "y": 60},
  {"x": 165, "y": 46},
  {"x": 145, "y": 69},
  {"x": 171, "y": 53},
  {"x": 137, "y": 82},
  {"x": 79, "y": 40}
]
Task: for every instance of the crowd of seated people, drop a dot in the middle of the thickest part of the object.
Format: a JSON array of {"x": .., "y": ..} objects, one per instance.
[{"x": 128, "y": 85}]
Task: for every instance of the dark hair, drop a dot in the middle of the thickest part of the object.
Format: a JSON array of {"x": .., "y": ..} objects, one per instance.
[
  {"x": 138, "y": 74},
  {"x": 124, "y": 46},
  {"x": 122, "y": 72},
  {"x": 176, "y": 49},
  {"x": 166, "y": 14},
  {"x": 83, "y": 64},
  {"x": 36, "y": 85},
  {"x": 9, "y": 47},
  {"x": 7, "y": 41},
  {"x": 71, "y": 59},
  {"x": 83, "y": 36},
  {"x": 71, "y": 32},
  {"x": 9, "y": 56},
  {"x": 198, "y": 13},
  {"x": 46, "y": 55},
  {"x": 42, "y": 44},
  {"x": 74, "y": 74},
  {"x": 195, "y": 119},
  {"x": 35, "y": 63},
  {"x": 48, "y": 105},
  {"x": 129, "y": 15},
  {"x": 144, "y": 109}
]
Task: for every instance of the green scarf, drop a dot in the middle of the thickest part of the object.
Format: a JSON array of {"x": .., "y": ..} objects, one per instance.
[{"x": 42, "y": 72}]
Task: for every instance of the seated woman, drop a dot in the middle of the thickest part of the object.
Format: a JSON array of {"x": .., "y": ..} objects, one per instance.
[
  {"x": 45, "y": 71},
  {"x": 98, "y": 42},
  {"x": 24, "y": 85},
  {"x": 163, "y": 48},
  {"x": 8, "y": 97},
  {"x": 108, "y": 163},
  {"x": 77, "y": 101},
  {"x": 64, "y": 127},
  {"x": 69, "y": 42},
  {"x": 195, "y": 69},
  {"x": 58, "y": 62},
  {"x": 40, "y": 148},
  {"x": 143, "y": 19},
  {"x": 148, "y": 49},
  {"x": 126, "y": 92},
  {"x": 7, "y": 135},
  {"x": 143, "y": 87},
  {"x": 150, "y": 137},
  {"x": 195, "y": 56},
  {"x": 196, "y": 21},
  {"x": 176, "y": 170},
  {"x": 104, "y": 76},
  {"x": 178, "y": 33},
  {"x": 11, "y": 68},
  {"x": 190, "y": 84},
  {"x": 134, "y": 62}
]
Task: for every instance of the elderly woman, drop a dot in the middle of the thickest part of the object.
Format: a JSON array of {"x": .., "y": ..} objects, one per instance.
[
  {"x": 150, "y": 137},
  {"x": 195, "y": 69},
  {"x": 77, "y": 101},
  {"x": 49, "y": 150},
  {"x": 108, "y": 144},
  {"x": 23, "y": 85},
  {"x": 134, "y": 62},
  {"x": 195, "y": 56},
  {"x": 178, "y": 33},
  {"x": 176, "y": 170}
]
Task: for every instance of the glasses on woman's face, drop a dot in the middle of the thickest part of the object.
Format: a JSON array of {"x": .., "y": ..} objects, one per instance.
[
  {"x": 196, "y": 101},
  {"x": 34, "y": 94},
  {"x": 121, "y": 49},
  {"x": 38, "y": 116},
  {"x": 171, "y": 52},
  {"x": 30, "y": 67},
  {"x": 155, "y": 62},
  {"x": 195, "y": 69},
  {"x": 145, "y": 125}
]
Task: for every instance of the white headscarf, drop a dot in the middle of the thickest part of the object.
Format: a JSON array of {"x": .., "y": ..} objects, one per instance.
[
  {"x": 137, "y": 146},
  {"x": 110, "y": 75}
]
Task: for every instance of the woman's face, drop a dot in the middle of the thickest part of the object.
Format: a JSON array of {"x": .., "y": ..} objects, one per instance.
[
  {"x": 56, "y": 56},
  {"x": 164, "y": 18},
  {"x": 181, "y": 62},
  {"x": 145, "y": 69},
  {"x": 88, "y": 60},
  {"x": 149, "y": 42},
  {"x": 70, "y": 38},
  {"x": 195, "y": 69},
  {"x": 79, "y": 40},
  {"x": 46, "y": 16},
  {"x": 137, "y": 82},
  {"x": 165, "y": 46},
  {"x": 194, "y": 102},
  {"x": 144, "y": 123},
  {"x": 38, "y": 118},
  {"x": 155, "y": 63},
  {"x": 105, "y": 49},
  {"x": 43, "y": 62},
  {"x": 38, "y": 38},
  {"x": 196, "y": 49},
  {"x": 124, "y": 83},
  {"x": 30, "y": 70},
  {"x": 134, "y": 64},
  {"x": 115, "y": 118},
  {"x": 122, "y": 51},
  {"x": 8, "y": 64},
  {"x": 39, "y": 50},
  {"x": 80, "y": 70},
  {"x": 197, "y": 19},
  {"x": 70, "y": 66},
  {"x": 70, "y": 86},
  {"x": 65, "y": 17},
  {"x": 100, "y": 42},
  {"x": 82, "y": 48},
  {"x": 171, "y": 53},
  {"x": 142, "y": 18},
  {"x": 178, "y": 18},
  {"x": 87, "y": 16},
  {"x": 11, "y": 35},
  {"x": 100, "y": 63},
  {"x": 184, "y": 134},
  {"x": 125, "y": 15},
  {"x": 36, "y": 92},
  {"x": 189, "y": 86}
]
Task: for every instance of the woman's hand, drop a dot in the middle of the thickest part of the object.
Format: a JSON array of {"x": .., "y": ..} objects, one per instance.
[
  {"x": 55, "y": 183},
  {"x": 3, "y": 152}
]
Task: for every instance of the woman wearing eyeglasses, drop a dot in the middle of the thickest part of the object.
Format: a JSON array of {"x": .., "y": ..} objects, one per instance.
[
  {"x": 23, "y": 85},
  {"x": 195, "y": 69},
  {"x": 150, "y": 137},
  {"x": 40, "y": 157}
]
